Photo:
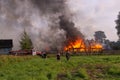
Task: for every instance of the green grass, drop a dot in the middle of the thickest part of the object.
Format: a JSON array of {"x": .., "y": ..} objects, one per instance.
[{"x": 103, "y": 67}]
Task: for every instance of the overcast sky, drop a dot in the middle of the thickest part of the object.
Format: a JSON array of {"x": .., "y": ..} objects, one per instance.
[
  {"x": 92, "y": 15},
  {"x": 89, "y": 16}
]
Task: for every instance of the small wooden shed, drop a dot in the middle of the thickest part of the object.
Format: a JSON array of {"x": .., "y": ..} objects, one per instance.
[{"x": 6, "y": 46}]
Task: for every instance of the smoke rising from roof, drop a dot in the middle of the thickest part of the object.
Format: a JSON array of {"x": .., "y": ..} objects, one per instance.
[
  {"x": 71, "y": 31},
  {"x": 40, "y": 18}
]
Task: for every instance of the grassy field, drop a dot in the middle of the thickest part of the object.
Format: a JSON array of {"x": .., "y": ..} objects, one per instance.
[{"x": 104, "y": 67}]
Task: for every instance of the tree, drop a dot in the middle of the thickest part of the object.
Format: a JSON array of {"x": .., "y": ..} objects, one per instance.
[
  {"x": 115, "y": 45},
  {"x": 26, "y": 42},
  {"x": 118, "y": 25},
  {"x": 100, "y": 36}
]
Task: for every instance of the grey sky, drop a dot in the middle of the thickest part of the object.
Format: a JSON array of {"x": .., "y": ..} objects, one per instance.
[{"x": 92, "y": 15}]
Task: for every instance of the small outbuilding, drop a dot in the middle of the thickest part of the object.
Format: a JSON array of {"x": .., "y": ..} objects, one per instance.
[{"x": 6, "y": 46}]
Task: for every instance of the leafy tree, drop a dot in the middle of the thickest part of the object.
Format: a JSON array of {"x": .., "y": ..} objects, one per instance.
[
  {"x": 25, "y": 42},
  {"x": 118, "y": 25},
  {"x": 100, "y": 36},
  {"x": 115, "y": 45}
]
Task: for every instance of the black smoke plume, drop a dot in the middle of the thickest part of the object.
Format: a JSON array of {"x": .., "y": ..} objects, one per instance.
[{"x": 72, "y": 33}]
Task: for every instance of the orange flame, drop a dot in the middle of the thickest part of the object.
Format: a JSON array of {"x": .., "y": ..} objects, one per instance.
[
  {"x": 96, "y": 47},
  {"x": 79, "y": 45}
]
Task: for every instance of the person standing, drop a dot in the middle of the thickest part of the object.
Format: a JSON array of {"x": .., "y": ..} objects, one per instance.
[
  {"x": 44, "y": 55},
  {"x": 58, "y": 56},
  {"x": 67, "y": 55}
]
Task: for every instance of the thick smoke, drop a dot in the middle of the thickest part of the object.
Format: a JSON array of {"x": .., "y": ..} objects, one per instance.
[
  {"x": 50, "y": 6},
  {"x": 41, "y": 19},
  {"x": 72, "y": 33},
  {"x": 60, "y": 7}
]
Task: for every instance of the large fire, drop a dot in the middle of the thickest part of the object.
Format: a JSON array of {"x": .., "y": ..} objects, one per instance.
[
  {"x": 83, "y": 46},
  {"x": 78, "y": 43}
]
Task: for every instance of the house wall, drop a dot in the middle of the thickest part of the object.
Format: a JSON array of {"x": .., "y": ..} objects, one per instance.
[{"x": 5, "y": 50}]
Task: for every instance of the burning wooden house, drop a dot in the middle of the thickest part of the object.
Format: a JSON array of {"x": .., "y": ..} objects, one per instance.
[
  {"x": 75, "y": 40},
  {"x": 85, "y": 46},
  {"x": 6, "y": 46}
]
